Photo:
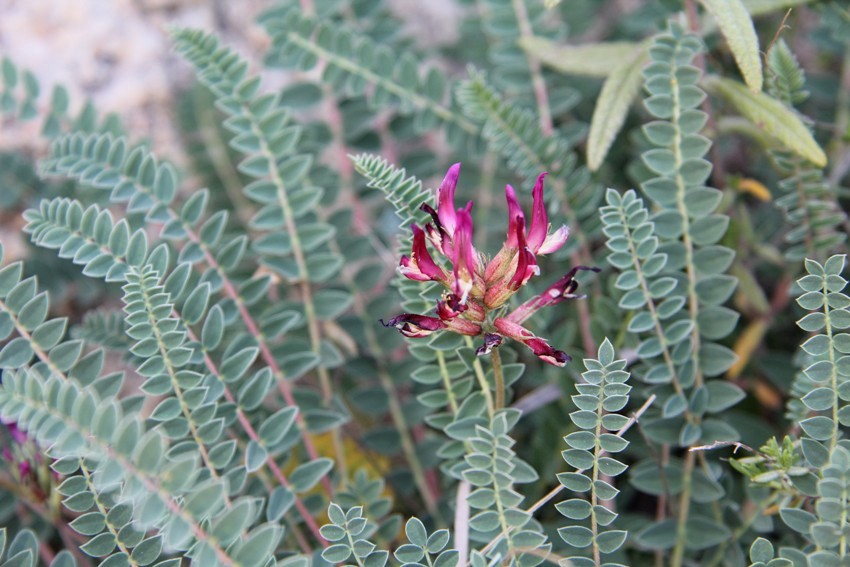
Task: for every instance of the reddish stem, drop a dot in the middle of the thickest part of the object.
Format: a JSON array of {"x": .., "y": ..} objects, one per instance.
[
  {"x": 268, "y": 357},
  {"x": 273, "y": 466}
]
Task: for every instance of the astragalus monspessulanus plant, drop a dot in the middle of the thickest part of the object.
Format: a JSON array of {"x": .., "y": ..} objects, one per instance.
[{"x": 200, "y": 364}]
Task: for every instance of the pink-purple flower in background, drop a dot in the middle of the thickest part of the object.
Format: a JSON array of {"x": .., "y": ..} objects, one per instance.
[
  {"x": 476, "y": 287},
  {"x": 18, "y": 438}
]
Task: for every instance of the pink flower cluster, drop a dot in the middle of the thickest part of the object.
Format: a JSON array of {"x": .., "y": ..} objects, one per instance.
[
  {"x": 475, "y": 287},
  {"x": 18, "y": 438}
]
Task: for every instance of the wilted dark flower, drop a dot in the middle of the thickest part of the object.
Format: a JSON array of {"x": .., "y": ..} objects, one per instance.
[{"x": 475, "y": 287}]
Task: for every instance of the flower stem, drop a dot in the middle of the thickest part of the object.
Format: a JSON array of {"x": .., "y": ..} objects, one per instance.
[
  {"x": 447, "y": 381},
  {"x": 499, "y": 378},
  {"x": 408, "y": 447},
  {"x": 482, "y": 382},
  {"x": 684, "y": 509}
]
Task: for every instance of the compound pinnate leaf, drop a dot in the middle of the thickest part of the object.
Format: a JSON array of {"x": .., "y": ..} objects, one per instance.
[
  {"x": 737, "y": 27},
  {"x": 618, "y": 92},
  {"x": 770, "y": 114}
]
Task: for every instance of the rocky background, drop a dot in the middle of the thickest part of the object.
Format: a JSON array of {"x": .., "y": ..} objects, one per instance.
[{"x": 118, "y": 53}]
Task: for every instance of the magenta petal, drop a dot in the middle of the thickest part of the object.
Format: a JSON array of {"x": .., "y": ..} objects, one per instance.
[
  {"x": 546, "y": 353},
  {"x": 559, "y": 291},
  {"x": 446, "y": 199},
  {"x": 420, "y": 266},
  {"x": 423, "y": 258},
  {"x": 513, "y": 330},
  {"x": 17, "y": 435},
  {"x": 526, "y": 268},
  {"x": 539, "y": 219},
  {"x": 514, "y": 213},
  {"x": 441, "y": 239},
  {"x": 409, "y": 270},
  {"x": 464, "y": 259},
  {"x": 538, "y": 346},
  {"x": 415, "y": 326},
  {"x": 463, "y": 327},
  {"x": 450, "y": 308},
  {"x": 526, "y": 262},
  {"x": 555, "y": 240}
]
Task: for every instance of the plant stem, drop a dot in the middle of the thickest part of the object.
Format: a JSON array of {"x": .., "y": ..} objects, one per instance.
[
  {"x": 499, "y": 378},
  {"x": 253, "y": 329},
  {"x": 693, "y": 301},
  {"x": 87, "y": 475},
  {"x": 444, "y": 112},
  {"x": 167, "y": 498},
  {"x": 231, "y": 291},
  {"x": 718, "y": 171},
  {"x": 482, "y": 382},
  {"x": 254, "y": 436},
  {"x": 351, "y": 545},
  {"x": 429, "y": 498},
  {"x": 500, "y": 506},
  {"x": 538, "y": 84},
  {"x": 834, "y": 382},
  {"x": 306, "y": 289},
  {"x": 171, "y": 371},
  {"x": 447, "y": 382},
  {"x": 594, "y": 499},
  {"x": 741, "y": 530},
  {"x": 216, "y": 150},
  {"x": 461, "y": 525},
  {"x": 557, "y": 490},
  {"x": 842, "y": 119},
  {"x": 397, "y": 414},
  {"x": 70, "y": 539},
  {"x": 684, "y": 509}
]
